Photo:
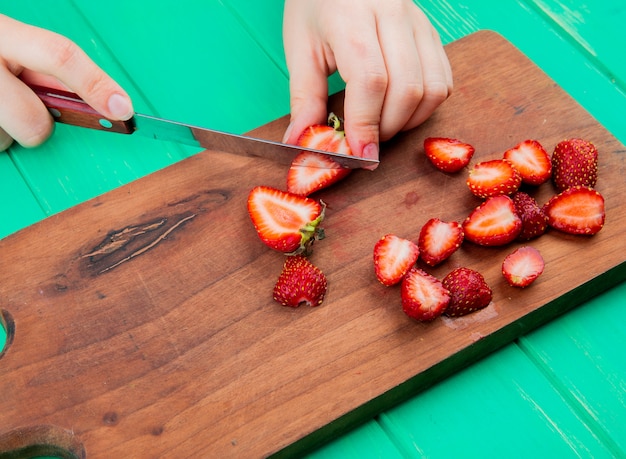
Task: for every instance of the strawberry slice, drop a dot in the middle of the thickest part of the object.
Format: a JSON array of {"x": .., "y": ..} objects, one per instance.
[
  {"x": 299, "y": 283},
  {"x": 493, "y": 178},
  {"x": 494, "y": 222},
  {"x": 393, "y": 258},
  {"x": 284, "y": 221},
  {"x": 468, "y": 292},
  {"x": 310, "y": 172},
  {"x": 574, "y": 163},
  {"x": 577, "y": 210},
  {"x": 532, "y": 162},
  {"x": 423, "y": 296},
  {"x": 521, "y": 267},
  {"x": 438, "y": 240},
  {"x": 534, "y": 219},
  {"x": 448, "y": 155}
]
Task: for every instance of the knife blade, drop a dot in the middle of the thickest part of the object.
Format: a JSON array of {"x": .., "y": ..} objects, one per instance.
[{"x": 68, "y": 108}]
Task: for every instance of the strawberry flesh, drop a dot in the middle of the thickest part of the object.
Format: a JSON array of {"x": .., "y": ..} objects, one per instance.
[
  {"x": 532, "y": 162},
  {"x": 534, "y": 219},
  {"x": 284, "y": 221},
  {"x": 574, "y": 163},
  {"x": 468, "y": 292},
  {"x": 300, "y": 282},
  {"x": 493, "y": 178},
  {"x": 448, "y": 155},
  {"x": 310, "y": 172},
  {"x": 438, "y": 240},
  {"x": 577, "y": 210},
  {"x": 393, "y": 258},
  {"x": 495, "y": 222},
  {"x": 423, "y": 296},
  {"x": 521, "y": 267}
]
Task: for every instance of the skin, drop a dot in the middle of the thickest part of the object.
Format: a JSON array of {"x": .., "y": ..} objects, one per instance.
[{"x": 388, "y": 53}]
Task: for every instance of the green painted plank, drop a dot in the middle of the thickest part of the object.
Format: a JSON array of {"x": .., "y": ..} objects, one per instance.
[{"x": 500, "y": 407}]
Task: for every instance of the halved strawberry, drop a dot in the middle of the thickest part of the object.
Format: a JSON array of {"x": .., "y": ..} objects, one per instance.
[
  {"x": 494, "y": 222},
  {"x": 393, "y": 258},
  {"x": 531, "y": 160},
  {"x": 468, "y": 292},
  {"x": 438, "y": 240},
  {"x": 534, "y": 219},
  {"x": 574, "y": 163},
  {"x": 577, "y": 210},
  {"x": 300, "y": 282},
  {"x": 493, "y": 178},
  {"x": 310, "y": 172},
  {"x": 448, "y": 155},
  {"x": 521, "y": 267},
  {"x": 423, "y": 296},
  {"x": 284, "y": 221}
]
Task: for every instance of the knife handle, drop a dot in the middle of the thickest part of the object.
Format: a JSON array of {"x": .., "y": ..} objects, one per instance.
[{"x": 67, "y": 107}]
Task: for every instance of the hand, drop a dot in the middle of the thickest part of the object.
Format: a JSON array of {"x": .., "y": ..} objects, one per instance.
[
  {"x": 40, "y": 56},
  {"x": 387, "y": 52}
]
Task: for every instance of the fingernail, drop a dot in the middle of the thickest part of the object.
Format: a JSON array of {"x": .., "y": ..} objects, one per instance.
[
  {"x": 370, "y": 151},
  {"x": 287, "y": 133},
  {"x": 120, "y": 107}
]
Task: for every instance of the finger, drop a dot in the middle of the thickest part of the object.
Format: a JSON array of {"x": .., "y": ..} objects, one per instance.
[
  {"x": 308, "y": 81},
  {"x": 23, "y": 117},
  {"x": 5, "y": 140},
  {"x": 53, "y": 54},
  {"x": 406, "y": 86},
  {"x": 436, "y": 76},
  {"x": 363, "y": 69}
]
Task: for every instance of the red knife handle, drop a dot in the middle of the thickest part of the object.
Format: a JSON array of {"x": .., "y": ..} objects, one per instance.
[{"x": 67, "y": 107}]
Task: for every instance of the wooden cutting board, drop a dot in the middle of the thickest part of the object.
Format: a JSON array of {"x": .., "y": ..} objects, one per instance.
[{"x": 141, "y": 323}]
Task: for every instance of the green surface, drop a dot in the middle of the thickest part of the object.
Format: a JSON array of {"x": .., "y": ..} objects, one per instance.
[{"x": 556, "y": 392}]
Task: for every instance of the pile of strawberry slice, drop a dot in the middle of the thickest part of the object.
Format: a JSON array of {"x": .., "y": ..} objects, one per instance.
[
  {"x": 506, "y": 214},
  {"x": 289, "y": 221}
]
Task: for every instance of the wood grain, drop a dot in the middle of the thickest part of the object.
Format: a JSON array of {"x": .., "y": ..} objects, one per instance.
[{"x": 142, "y": 321}]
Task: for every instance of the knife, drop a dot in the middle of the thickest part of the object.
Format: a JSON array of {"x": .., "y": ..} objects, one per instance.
[{"x": 67, "y": 107}]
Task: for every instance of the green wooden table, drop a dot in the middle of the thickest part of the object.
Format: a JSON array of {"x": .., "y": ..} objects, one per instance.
[{"x": 559, "y": 391}]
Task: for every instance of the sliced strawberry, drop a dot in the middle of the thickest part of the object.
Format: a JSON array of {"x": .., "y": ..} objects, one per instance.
[
  {"x": 468, "y": 292},
  {"x": 284, "y": 221},
  {"x": 393, "y": 257},
  {"x": 521, "y": 267},
  {"x": 448, "y": 155},
  {"x": 493, "y": 178},
  {"x": 574, "y": 163},
  {"x": 534, "y": 219},
  {"x": 532, "y": 162},
  {"x": 300, "y": 282},
  {"x": 310, "y": 172},
  {"x": 423, "y": 296},
  {"x": 494, "y": 222},
  {"x": 577, "y": 210},
  {"x": 438, "y": 240}
]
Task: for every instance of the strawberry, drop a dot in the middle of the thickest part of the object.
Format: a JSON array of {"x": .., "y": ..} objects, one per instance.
[
  {"x": 393, "y": 258},
  {"x": 521, "y": 267},
  {"x": 531, "y": 160},
  {"x": 493, "y": 178},
  {"x": 310, "y": 172},
  {"x": 574, "y": 163},
  {"x": 534, "y": 219},
  {"x": 284, "y": 221},
  {"x": 577, "y": 210},
  {"x": 448, "y": 155},
  {"x": 300, "y": 282},
  {"x": 438, "y": 240},
  {"x": 423, "y": 296},
  {"x": 468, "y": 292},
  {"x": 494, "y": 222}
]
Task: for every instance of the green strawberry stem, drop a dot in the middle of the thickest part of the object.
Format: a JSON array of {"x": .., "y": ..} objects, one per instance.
[
  {"x": 311, "y": 232},
  {"x": 335, "y": 122}
]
